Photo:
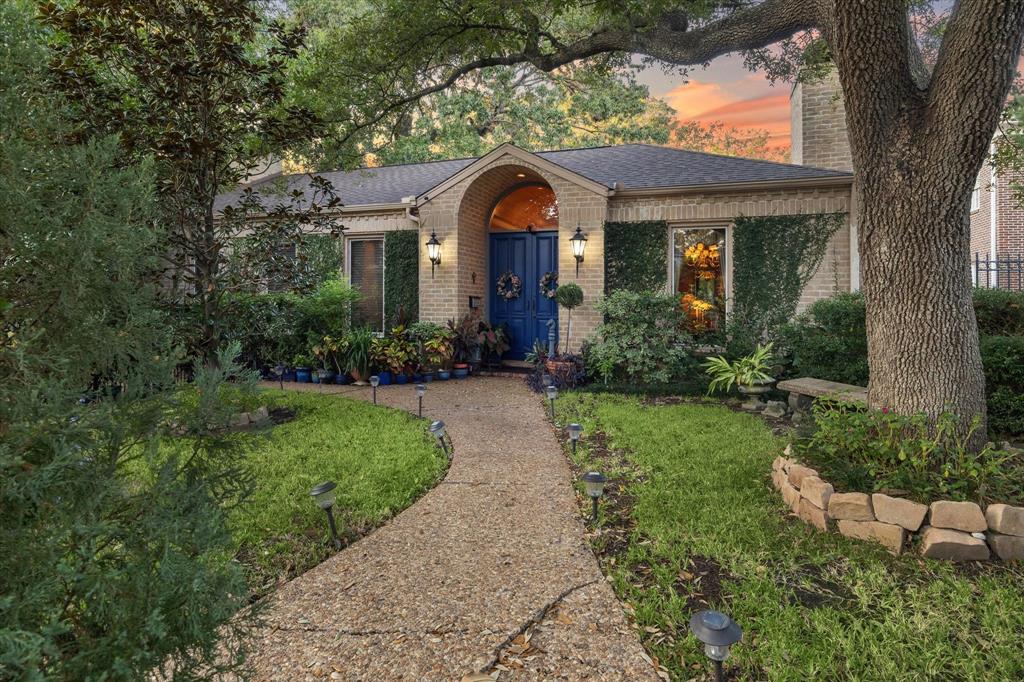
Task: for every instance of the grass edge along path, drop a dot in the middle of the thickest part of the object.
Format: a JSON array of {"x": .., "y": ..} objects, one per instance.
[{"x": 703, "y": 528}]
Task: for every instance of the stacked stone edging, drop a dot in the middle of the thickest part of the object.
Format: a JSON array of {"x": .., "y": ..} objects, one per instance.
[{"x": 955, "y": 531}]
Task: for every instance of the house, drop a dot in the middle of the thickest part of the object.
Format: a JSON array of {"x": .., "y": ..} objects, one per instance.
[{"x": 514, "y": 212}]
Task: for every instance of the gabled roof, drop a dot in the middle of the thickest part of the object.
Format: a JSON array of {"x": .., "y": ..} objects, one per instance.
[{"x": 620, "y": 167}]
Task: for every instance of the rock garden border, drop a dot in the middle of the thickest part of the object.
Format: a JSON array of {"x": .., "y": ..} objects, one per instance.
[{"x": 943, "y": 529}]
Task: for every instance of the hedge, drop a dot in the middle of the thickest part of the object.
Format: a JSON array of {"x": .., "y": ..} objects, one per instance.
[
  {"x": 635, "y": 256},
  {"x": 401, "y": 276}
]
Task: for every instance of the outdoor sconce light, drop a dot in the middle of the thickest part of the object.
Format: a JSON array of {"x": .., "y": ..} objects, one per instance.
[
  {"x": 579, "y": 245},
  {"x": 437, "y": 429},
  {"x": 717, "y": 632},
  {"x": 279, "y": 371},
  {"x": 574, "y": 435},
  {"x": 321, "y": 374},
  {"x": 594, "y": 482},
  {"x": 375, "y": 382},
  {"x": 433, "y": 252},
  {"x": 323, "y": 494},
  {"x": 552, "y": 394},
  {"x": 421, "y": 390}
]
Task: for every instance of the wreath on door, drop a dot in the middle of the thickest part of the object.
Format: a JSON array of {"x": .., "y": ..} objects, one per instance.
[
  {"x": 509, "y": 286},
  {"x": 549, "y": 284}
]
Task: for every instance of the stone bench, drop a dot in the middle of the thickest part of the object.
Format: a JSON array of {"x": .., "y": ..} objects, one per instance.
[{"x": 802, "y": 392}]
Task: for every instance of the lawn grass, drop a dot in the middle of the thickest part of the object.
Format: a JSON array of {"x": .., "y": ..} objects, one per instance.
[
  {"x": 382, "y": 460},
  {"x": 705, "y": 528}
]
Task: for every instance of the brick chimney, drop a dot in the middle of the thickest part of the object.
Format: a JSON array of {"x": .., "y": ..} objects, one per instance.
[{"x": 818, "y": 125}]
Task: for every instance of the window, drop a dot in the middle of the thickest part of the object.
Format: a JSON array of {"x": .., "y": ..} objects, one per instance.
[
  {"x": 699, "y": 275},
  {"x": 530, "y": 207},
  {"x": 976, "y": 194},
  {"x": 366, "y": 273}
]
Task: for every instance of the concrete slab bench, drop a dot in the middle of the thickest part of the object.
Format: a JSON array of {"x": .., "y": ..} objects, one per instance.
[{"x": 803, "y": 391}]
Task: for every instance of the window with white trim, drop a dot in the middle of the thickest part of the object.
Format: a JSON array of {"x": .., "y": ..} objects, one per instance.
[
  {"x": 976, "y": 194},
  {"x": 366, "y": 274},
  {"x": 698, "y": 274}
]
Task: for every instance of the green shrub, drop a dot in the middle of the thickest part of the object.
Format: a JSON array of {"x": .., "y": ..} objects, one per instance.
[
  {"x": 999, "y": 312},
  {"x": 865, "y": 450},
  {"x": 829, "y": 340},
  {"x": 401, "y": 277},
  {"x": 1003, "y": 359},
  {"x": 642, "y": 340},
  {"x": 635, "y": 256}
]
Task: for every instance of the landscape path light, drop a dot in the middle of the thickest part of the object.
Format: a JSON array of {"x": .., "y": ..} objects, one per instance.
[
  {"x": 717, "y": 632},
  {"x": 279, "y": 371},
  {"x": 437, "y": 429},
  {"x": 421, "y": 390},
  {"x": 552, "y": 394},
  {"x": 375, "y": 382},
  {"x": 574, "y": 435},
  {"x": 321, "y": 374},
  {"x": 323, "y": 495},
  {"x": 594, "y": 482}
]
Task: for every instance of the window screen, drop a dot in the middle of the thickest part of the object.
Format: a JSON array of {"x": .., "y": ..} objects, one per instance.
[{"x": 366, "y": 270}]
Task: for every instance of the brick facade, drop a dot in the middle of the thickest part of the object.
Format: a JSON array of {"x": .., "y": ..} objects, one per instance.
[{"x": 818, "y": 125}]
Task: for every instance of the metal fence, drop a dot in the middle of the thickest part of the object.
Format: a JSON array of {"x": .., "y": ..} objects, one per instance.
[{"x": 999, "y": 271}]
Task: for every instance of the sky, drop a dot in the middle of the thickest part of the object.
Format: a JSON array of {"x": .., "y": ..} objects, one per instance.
[{"x": 725, "y": 91}]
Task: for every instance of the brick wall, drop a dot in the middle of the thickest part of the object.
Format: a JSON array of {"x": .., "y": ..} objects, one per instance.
[
  {"x": 719, "y": 209},
  {"x": 1010, "y": 216},
  {"x": 981, "y": 219},
  {"x": 818, "y": 125},
  {"x": 460, "y": 216}
]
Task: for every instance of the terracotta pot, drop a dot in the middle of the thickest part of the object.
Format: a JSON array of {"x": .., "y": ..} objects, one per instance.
[{"x": 557, "y": 366}]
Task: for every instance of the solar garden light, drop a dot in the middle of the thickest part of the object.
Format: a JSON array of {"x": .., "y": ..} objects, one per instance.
[
  {"x": 323, "y": 494},
  {"x": 375, "y": 382},
  {"x": 421, "y": 390},
  {"x": 594, "y": 482},
  {"x": 574, "y": 435},
  {"x": 717, "y": 632},
  {"x": 552, "y": 394},
  {"x": 545, "y": 379},
  {"x": 437, "y": 429},
  {"x": 322, "y": 375},
  {"x": 279, "y": 373}
]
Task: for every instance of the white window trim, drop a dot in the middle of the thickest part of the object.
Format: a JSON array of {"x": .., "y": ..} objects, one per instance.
[
  {"x": 976, "y": 195},
  {"x": 374, "y": 236},
  {"x": 727, "y": 229}
]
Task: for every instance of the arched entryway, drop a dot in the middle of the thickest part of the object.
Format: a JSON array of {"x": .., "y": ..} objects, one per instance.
[{"x": 523, "y": 263}]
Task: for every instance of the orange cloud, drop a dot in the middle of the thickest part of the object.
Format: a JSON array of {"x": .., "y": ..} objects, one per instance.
[{"x": 712, "y": 102}]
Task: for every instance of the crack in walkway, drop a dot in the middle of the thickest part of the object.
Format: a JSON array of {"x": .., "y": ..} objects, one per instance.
[{"x": 453, "y": 580}]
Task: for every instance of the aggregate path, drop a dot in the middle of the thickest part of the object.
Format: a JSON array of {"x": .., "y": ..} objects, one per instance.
[{"x": 490, "y": 568}]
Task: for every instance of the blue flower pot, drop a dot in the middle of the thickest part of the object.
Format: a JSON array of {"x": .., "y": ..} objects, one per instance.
[
  {"x": 303, "y": 375},
  {"x": 341, "y": 379},
  {"x": 314, "y": 377},
  {"x": 401, "y": 378},
  {"x": 385, "y": 378},
  {"x": 444, "y": 375},
  {"x": 461, "y": 372},
  {"x": 289, "y": 375},
  {"x": 417, "y": 377},
  {"x": 428, "y": 377},
  {"x": 329, "y": 378}
]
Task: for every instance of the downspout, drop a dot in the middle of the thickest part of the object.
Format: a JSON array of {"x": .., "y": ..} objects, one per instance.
[{"x": 994, "y": 206}]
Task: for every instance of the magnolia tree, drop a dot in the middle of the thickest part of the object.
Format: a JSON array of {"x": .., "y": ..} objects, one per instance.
[{"x": 920, "y": 116}]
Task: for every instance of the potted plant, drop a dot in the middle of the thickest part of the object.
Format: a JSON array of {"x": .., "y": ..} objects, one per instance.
[
  {"x": 465, "y": 343},
  {"x": 749, "y": 373},
  {"x": 358, "y": 356},
  {"x": 326, "y": 372},
  {"x": 569, "y": 296},
  {"x": 303, "y": 368},
  {"x": 494, "y": 341},
  {"x": 438, "y": 349},
  {"x": 380, "y": 349}
]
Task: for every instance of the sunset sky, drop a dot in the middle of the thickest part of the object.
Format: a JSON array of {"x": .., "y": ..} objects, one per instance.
[{"x": 726, "y": 91}]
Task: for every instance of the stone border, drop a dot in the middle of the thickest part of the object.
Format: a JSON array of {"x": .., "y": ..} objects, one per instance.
[{"x": 955, "y": 531}]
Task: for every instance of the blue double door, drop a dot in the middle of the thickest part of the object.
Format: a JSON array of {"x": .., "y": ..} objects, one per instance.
[{"x": 530, "y": 255}]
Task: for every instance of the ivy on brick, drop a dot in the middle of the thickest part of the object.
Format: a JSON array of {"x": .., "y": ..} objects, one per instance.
[
  {"x": 636, "y": 256},
  {"x": 774, "y": 257},
  {"x": 401, "y": 276}
]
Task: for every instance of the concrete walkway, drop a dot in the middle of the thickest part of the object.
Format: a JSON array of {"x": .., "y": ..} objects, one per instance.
[{"x": 455, "y": 584}]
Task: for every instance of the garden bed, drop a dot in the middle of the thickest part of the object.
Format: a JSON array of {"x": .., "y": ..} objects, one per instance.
[{"x": 702, "y": 527}]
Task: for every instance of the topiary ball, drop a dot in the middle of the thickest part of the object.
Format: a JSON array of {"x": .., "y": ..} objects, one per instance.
[{"x": 569, "y": 295}]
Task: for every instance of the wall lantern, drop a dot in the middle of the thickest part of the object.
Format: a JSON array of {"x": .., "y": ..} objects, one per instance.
[
  {"x": 375, "y": 382},
  {"x": 323, "y": 495},
  {"x": 579, "y": 245},
  {"x": 594, "y": 482},
  {"x": 437, "y": 429},
  {"x": 421, "y": 390},
  {"x": 552, "y": 393},
  {"x": 717, "y": 632},
  {"x": 574, "y": 435},
  {"x": 433, "y": 252}
]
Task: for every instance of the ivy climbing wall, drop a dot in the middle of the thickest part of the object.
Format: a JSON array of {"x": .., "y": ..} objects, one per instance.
[
  {"x": 636, "y": 256},
  {"x": 401, "y": 276}
]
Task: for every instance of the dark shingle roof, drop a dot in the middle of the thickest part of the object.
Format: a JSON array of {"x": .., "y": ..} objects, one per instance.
[{"x": 634, "y": 166}]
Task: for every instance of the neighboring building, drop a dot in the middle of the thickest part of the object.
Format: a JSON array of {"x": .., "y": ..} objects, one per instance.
[{"x": 516, "y": 211}]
